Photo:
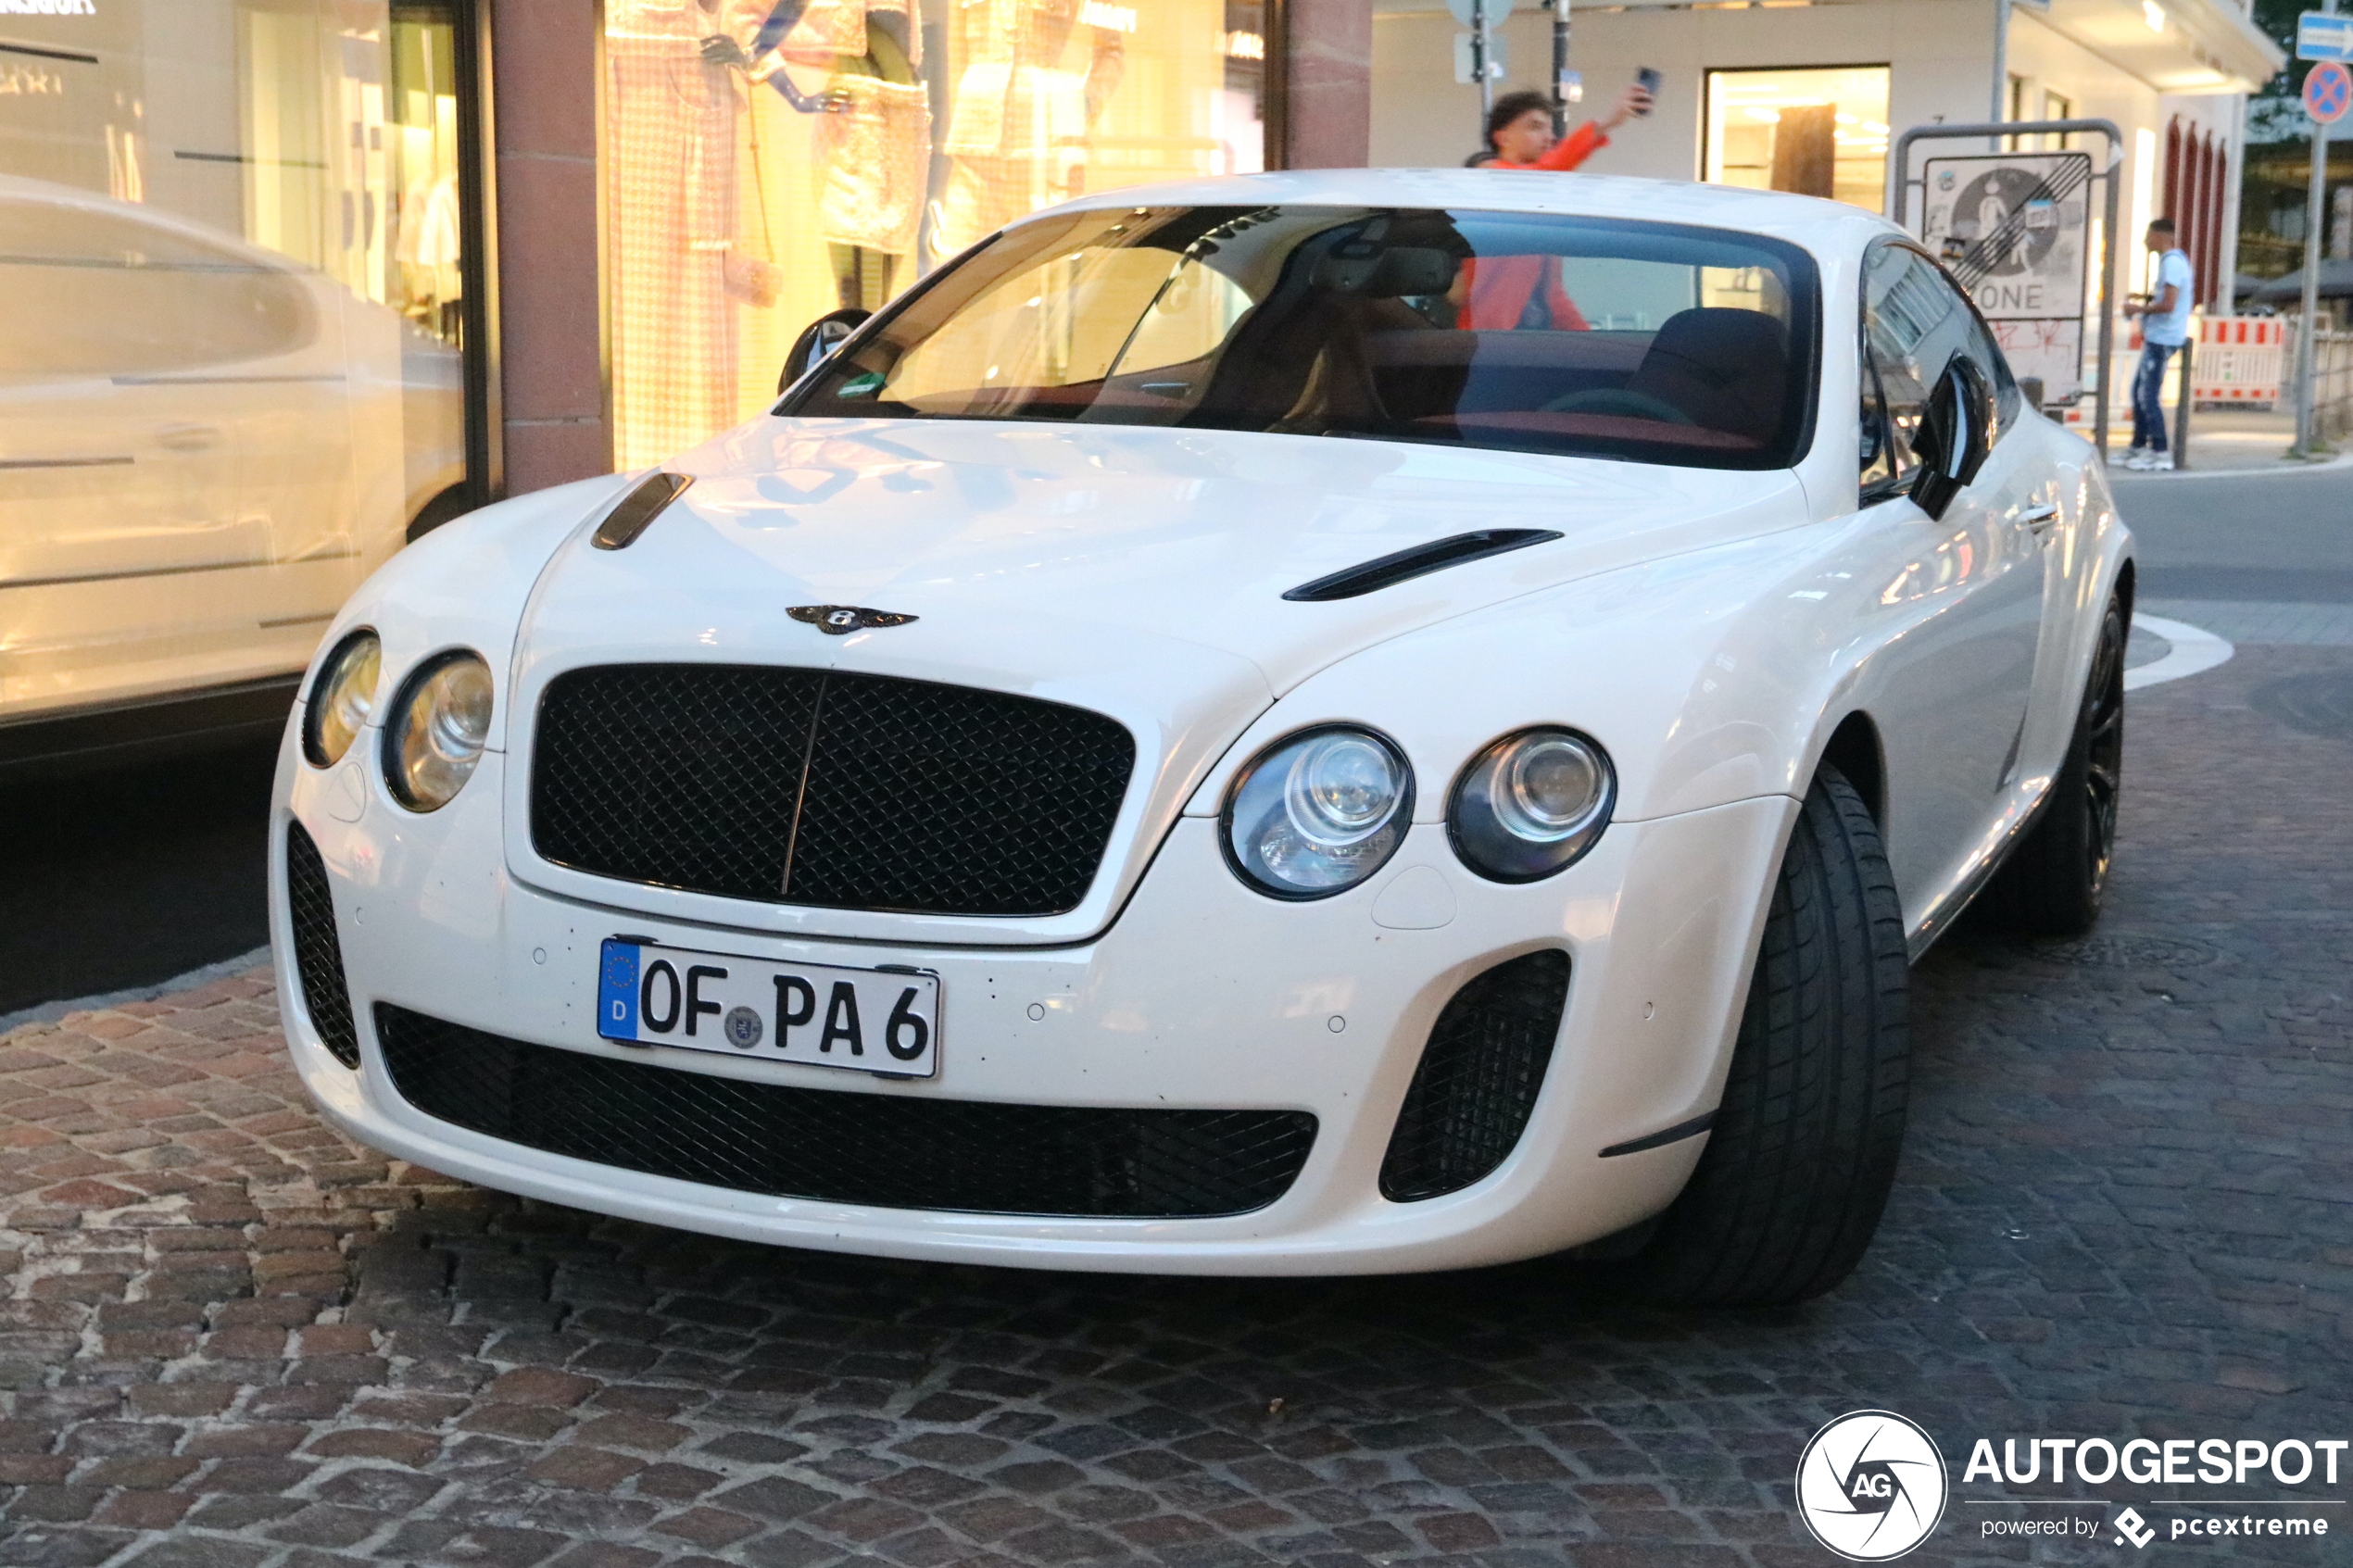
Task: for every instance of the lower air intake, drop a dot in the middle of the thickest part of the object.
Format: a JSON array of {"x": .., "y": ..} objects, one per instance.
[
  {"x": 1479, "y": 1075},
  {"x": 311, "y": 910},
  {"x": 888, "y": 1151}
]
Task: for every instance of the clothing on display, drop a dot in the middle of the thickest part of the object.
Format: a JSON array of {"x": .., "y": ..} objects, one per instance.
[
  {"x": 1020, "y": 121},
  {"x": 876, "y": 153},
  {"x": 672, "y": 223},
  {"x": 738, "y": 214}
]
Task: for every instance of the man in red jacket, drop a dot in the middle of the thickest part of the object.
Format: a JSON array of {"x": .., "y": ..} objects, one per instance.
[
  {"x": 1500, "y": 293},
  {"x": 1521, "y": 135}
]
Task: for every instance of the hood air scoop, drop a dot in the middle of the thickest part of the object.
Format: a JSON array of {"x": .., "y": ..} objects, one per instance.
[
  {"x": 639, "y": 508},
  {"x": 1384, "y": 571}
]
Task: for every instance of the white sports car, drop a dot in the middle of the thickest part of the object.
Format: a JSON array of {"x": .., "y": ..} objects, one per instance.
[{"x": 1315, "y": 722}]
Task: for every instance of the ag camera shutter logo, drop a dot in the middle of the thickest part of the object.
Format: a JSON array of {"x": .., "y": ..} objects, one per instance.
[{"x": 1871, "y": 1485}]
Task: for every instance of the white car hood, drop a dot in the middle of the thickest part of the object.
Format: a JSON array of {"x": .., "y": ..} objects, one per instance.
[{"x": 1135, "y": 572}]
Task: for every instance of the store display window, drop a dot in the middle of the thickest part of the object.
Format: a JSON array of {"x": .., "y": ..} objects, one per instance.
[
  {"x": 233, "y": 245},
  {"x": 1818, "y": 132},
  {"x": 769, "y": 161}
]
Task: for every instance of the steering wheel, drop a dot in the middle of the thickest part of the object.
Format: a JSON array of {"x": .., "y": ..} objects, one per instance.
[{"x": 1618, "y": 400}]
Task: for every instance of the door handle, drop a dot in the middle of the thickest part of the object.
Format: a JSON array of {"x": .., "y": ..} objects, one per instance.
[
  {"x": 2040, "y": 518},
  {"x": 188, "y": 438}
]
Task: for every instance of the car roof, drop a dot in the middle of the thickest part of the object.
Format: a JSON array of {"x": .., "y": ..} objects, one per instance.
[{"x": 1823, "y": 227}]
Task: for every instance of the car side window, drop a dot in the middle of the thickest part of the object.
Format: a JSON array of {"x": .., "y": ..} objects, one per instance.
[
  {"x": 1915, "y": 320},
  {"x": 1877, "y": 447}
]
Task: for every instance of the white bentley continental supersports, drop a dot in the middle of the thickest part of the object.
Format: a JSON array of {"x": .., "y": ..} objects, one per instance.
[{"x": 1307, "y": 724}]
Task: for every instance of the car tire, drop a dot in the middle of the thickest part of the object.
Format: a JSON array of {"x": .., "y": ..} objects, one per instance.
[
  {"x": 2053, "y": 882},
  {"x": 1802, "y": 1152}
]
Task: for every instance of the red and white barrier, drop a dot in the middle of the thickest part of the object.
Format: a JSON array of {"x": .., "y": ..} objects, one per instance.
[{"x": 2239, "y": 360}]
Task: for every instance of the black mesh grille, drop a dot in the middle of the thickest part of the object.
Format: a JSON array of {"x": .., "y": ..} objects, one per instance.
[
  {"x": 310, "y": 908},
  {"x": 882, "y": 1149},
  {"x": 1477, "y": 1080},
  {"x": 847, "y": 791}
]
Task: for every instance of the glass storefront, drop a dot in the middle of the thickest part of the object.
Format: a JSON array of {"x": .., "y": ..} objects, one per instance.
[
  {"x": 233, "y": 252},
  {"x": 1818, "y": 133},
  {"x": 768, "y": 161}
]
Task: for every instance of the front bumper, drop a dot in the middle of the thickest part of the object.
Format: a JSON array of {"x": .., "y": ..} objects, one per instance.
[{"x": 1201, "y": 995}]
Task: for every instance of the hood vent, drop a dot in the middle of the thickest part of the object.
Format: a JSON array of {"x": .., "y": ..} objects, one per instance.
[
  {"x": 639, "y": 508},
  {"x": 1367, "y": 577}
]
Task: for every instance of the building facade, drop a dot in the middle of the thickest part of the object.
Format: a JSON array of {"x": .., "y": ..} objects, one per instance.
[
  {"x": 1795, "y": 94},
  {"x": 291, "y": 281}
]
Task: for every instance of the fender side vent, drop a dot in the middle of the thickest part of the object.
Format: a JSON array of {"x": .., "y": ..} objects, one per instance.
[
  {"x": 637, "y": 510},
  {"x": 1479, "y": 1078},
  {"x": 311, "y": 910},
  {"x": 1385, "y": 571}
]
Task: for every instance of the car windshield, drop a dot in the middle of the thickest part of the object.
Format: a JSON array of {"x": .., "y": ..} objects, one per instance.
[{"x": 1647, "y": 342}]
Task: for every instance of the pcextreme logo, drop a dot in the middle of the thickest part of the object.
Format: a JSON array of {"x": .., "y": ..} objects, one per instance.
[{"x": 1871, "y": 1485}]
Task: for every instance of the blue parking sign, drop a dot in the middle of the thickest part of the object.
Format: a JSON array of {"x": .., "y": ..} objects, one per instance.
[{"x": 2321, "y": 36}]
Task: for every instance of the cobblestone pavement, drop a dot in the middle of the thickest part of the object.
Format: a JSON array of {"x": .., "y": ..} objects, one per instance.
[{"x": 2127, "y": 1209}]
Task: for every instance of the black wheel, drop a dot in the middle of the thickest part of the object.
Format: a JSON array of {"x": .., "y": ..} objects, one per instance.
[
  {"x": 1803, "y": 1153},
  {"x": 2052, "y": 883}
]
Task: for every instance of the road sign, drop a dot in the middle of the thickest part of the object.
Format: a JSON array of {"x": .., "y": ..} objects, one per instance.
[
  {"x": 1497, "y": 9},
  {"x": 2014, "y": 230},
  {"x": 2328, "y": 92},
  {"x": 2321, "y": 35}
]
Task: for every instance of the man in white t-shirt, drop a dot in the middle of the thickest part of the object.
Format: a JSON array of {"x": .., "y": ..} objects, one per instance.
[{"x": 2165, "y": 326}]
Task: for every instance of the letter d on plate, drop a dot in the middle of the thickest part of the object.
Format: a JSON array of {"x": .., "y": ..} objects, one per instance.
[{"x": 617, "y": 991}]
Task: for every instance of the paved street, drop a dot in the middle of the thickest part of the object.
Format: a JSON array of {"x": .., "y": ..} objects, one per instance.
[{"x": 2126, "y": 1210}]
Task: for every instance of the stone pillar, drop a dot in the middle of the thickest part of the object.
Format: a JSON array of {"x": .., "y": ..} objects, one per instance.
[
  {"x": 1328, "y": 115},
  {"x": 544, "y": 58}
]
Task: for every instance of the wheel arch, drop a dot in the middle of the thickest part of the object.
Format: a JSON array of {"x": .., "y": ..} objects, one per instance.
[{"x": 1855, "y": 749}]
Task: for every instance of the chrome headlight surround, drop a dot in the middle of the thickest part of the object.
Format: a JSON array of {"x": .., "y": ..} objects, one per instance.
[
  {"x": 1317, "y": 812},
  {"x": 437, "y": 729},
  {"x": 342, "y": 699},
  {"x": 1531, "y": 804}
]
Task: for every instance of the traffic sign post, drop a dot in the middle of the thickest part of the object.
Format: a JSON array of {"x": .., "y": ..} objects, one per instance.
[
  {"x": 1482, "y": 47},
  {"x": 2328, "y": 92}
]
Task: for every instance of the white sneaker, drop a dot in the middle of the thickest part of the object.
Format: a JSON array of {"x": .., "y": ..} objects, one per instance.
[
  {"x": 2161, "y": 463},
  {"x": 2140, "y": 461}
]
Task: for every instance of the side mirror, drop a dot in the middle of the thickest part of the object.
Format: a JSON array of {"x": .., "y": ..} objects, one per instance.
[
  {"x": 1955, "y": 433},
  {"x": 818, "y": 341}
]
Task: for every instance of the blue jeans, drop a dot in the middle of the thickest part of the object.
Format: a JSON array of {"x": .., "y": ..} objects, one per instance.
[{"x": 2148, "y": 395}]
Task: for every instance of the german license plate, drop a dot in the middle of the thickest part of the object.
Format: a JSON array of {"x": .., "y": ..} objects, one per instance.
[{"x": 866, "y": 1020}]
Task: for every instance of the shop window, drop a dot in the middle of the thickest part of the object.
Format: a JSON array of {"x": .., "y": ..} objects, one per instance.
[
  {"x": 768, "y": 161},
  {"x": 234, "y": 252},
  {"x": 1815, "y": 132}
]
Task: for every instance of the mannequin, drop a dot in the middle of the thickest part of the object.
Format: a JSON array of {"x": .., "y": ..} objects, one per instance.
[
  {"x": 873, "y": 144},
  {"x": 1017, "y": 132},
  {"x": 672, "y": 224}
]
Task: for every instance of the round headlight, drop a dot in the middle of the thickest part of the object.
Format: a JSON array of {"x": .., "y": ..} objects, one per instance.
[
  {"x": 1319, "y": 813},
  {"x": 342, "y": 699},
  {"x": 439, "y": 724},
  {"x": 1531, "y": 804}
]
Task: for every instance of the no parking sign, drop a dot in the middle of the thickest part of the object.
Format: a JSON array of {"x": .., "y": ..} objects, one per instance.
[{"x": 2328, "y": 92}]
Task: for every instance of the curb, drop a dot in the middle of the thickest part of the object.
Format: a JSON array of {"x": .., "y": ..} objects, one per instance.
[{"x": 50, "y": 1013}]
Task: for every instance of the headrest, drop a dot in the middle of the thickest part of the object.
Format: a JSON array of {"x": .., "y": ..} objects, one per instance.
[{"x": 1728, "y": 368}]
